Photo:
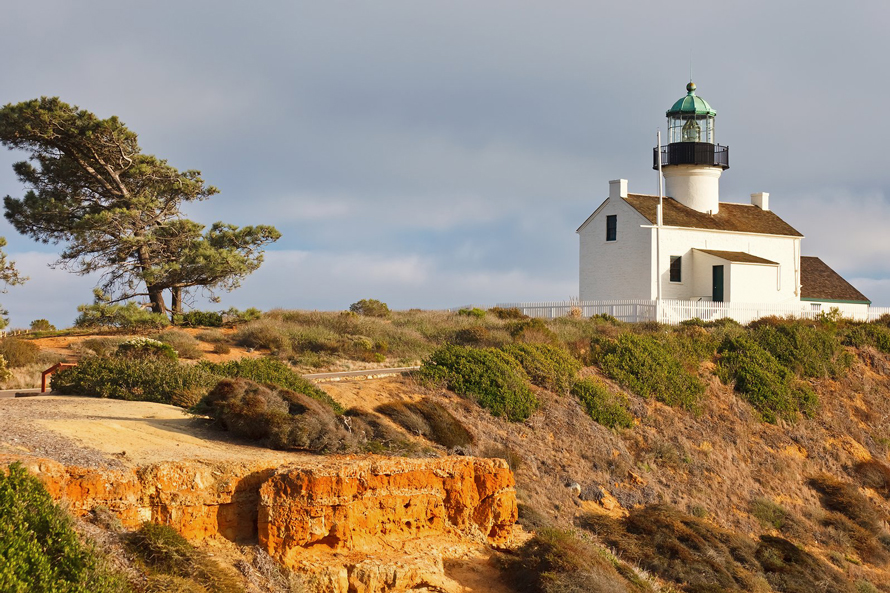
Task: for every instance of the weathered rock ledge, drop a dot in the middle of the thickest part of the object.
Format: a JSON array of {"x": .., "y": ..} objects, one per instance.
[{"x": 340, "y": 504}]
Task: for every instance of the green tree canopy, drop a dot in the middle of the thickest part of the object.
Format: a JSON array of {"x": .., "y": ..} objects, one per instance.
[{"x": 116, "y": 210}]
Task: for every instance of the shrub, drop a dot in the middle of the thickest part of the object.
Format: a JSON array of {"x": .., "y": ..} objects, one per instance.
[
  {"x": 763, "y": 381},
  {"x": 262, "y": 334},
  {"x": 547, "y": 366},
  {"x": 128, "y": 316},
  {"x": 490, "y": 376},
  {"x": 201, "y": 319},
  {"x": 42, "y": 325},
  {"x": 144, "y": 348},
  {"x": 809, "y": 351},
  {"x": 508, "y": 454},
  {"x": 769, "y": 513},
  {"x": 532, "y": 330},
  {"x": 102, "y": 346},
  {"x": 279, "y": 418},
  {"x": 472, "y": 336},
  {"x": 602, "y": 405},
  {"x": 161, "y": 381},
  {"x": 233, "y": 315},
  {"x": 507, "y": 313},
  {"x": 704, "y": 558},
  {"x": 212, "y": 336},
  {"x": 370, "y": 308},
  {"x": 184, "y": 344},
  {"x": 649, "y": 368},
  {"x": 39, "y": 549},
  {"x": 221, "y": 348},
  {"x": 875, "y": 335},
  {"x": 474, "y": 312},
  {"x": 18, "y": 353},
  {"x": 270, "y": 371},
  {"x": 430, "y": 420},
  {"x": 560, "y": 561},
  {"x": 176, "y": 565}
]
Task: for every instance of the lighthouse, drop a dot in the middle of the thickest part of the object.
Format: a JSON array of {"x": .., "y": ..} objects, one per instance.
[{"x": 692, "y": 162}]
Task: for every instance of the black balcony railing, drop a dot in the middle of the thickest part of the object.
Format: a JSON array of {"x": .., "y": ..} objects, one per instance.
[{"x": 692, "y": 153}]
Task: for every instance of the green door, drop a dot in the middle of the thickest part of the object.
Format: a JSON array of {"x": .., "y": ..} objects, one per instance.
[{"x": 717, "y": 284}]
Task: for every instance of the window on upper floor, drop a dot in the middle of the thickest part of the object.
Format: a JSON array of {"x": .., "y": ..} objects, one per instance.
[
  {"x": 676, "y": 268},
  {"x": 611, "y": 227}
]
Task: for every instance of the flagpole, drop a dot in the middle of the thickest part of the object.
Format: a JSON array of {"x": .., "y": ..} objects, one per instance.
[{"x": 659, "y": 220}]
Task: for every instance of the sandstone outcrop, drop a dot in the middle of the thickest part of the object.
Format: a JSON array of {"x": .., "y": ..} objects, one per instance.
[{"x": 354, "y": 505}]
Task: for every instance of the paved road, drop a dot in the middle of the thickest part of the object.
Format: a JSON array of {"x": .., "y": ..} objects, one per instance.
[{"x": 365, "y": 374}]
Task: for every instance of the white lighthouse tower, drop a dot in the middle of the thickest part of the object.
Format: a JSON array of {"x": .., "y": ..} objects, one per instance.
[{"x": 692, "y": 162}]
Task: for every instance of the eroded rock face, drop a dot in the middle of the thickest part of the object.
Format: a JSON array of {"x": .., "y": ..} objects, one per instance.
[
  {"x": 358, "y": 506},
  {"x": 340, "y": 504}
]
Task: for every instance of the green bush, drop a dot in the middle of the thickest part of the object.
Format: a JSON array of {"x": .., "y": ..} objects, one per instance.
[
  {"x": 430, "y": 420},
  {"x": 476, "y": 335},
  {"x": 212, "y": 336},
  {"x": 39, "y": 549},
  {"x": 270, "y": 371},
  {"x": 876, "y": 335},
  {"x": 18, "y": 353},
  {"x": 650, "y": 369},
  {"x": 490, "y": 376},
  {"x": 200, "y": 319},
  {"x": 184, "y": 344},
  {"x": 128, "y": 316},
  {"x": 763, "y": 381},
  {"x": 165, "y": 553},
  {"x": 531, "y": 330},
  {"x": 262, "y": 334},
  {"x": 507, "y": 313},
  {"x": 547, "y": 366},
  {"x": 602, "y": 405},
  {"x": 42, "y": 325},
  {"x": 769, "y": 513},
  {"x": 154, "y": 380},
  {"x": 233, "y": 315},
  {"x": 370, "y": 308},
  {"x": 474, "y": 312},
  {"x": 808, "y": 351},
  {"x": 146, "y": 348}
]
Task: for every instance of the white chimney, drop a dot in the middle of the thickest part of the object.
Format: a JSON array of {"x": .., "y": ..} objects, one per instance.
[
  {"x": 761, "y": 200},
  {"x": 618, "y": 188}
]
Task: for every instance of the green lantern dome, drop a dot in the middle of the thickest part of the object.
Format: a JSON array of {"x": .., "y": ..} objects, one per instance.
[{"x": 691, "y": 104}]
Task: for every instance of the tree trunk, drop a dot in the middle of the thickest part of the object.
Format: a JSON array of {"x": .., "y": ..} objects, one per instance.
[
  {"x": 176, "y": 300},
  {"x": 156, "y": 297}
]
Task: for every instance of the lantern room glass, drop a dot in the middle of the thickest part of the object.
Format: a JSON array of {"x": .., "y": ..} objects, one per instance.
[{"x": 691, "y": 128}]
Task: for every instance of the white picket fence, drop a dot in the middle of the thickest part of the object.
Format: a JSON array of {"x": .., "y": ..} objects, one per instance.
[{"x": 674, "y": 312}]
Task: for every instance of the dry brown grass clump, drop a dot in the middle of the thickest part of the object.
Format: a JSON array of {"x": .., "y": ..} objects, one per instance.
[
  {"x": 701, "y": 557},
  {"x": 875, "y": 475},
  {"x": 429, "y": 419}
]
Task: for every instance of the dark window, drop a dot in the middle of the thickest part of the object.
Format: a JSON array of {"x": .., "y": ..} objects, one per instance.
[
  {"x": 676, "y": 268},
  {"x": 611, "y": 227}
]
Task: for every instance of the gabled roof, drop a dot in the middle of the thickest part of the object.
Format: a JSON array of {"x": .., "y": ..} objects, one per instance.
[
  {"x": 739, "y": 257},
  {"x": 740, "y": 218},
  {"x": 818, "y": 282}
]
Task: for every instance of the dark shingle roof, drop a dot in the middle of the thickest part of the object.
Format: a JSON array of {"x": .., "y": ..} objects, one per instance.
[
  {"x": 738, "y": 256},
  {"x": 819, "y": 282},
  {"x": 741, "y": 218}
]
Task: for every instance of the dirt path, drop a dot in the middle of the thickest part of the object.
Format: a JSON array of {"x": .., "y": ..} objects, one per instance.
[{"x": 102, "y": 432}]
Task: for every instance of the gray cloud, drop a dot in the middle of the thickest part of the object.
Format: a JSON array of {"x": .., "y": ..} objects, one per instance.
[{"x": 468, "y": 138}]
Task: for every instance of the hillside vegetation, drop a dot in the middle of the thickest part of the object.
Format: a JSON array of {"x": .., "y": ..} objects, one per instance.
[{"x": 705, "y": 457}]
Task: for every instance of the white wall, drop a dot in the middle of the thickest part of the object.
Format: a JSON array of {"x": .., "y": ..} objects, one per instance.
[
  {"x": 617, "y": 269},
  {"x": 752, "y": 286}
]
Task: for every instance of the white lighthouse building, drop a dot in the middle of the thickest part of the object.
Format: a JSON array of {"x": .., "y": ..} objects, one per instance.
[{"x": 700, "y": 248}]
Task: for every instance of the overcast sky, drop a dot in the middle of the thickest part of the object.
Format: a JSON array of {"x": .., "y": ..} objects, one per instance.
[{"x": 438, "y": 153}]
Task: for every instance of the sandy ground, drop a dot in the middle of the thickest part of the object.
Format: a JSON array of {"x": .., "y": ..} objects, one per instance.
[{"x": 114, "y": 432}]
